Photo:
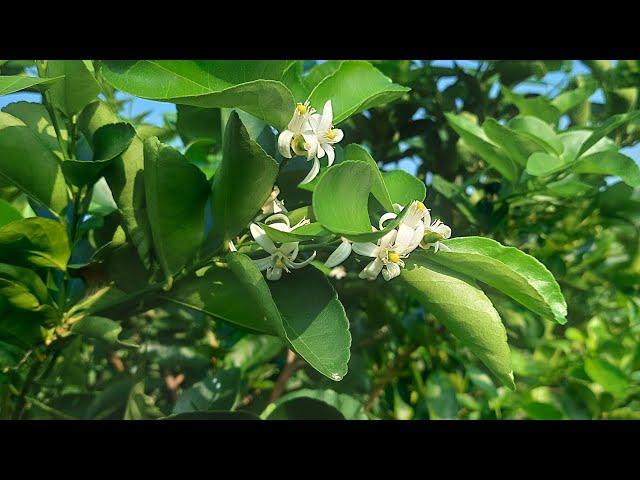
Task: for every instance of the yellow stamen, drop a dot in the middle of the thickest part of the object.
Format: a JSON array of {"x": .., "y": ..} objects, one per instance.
[
  {"x": 420, "y": 206},
  {"x": 279, "y": 263},
  {"x": 301, "y": 108},
  {"x": 331, "y": 134},
  {"x": 393, "y": 257}
]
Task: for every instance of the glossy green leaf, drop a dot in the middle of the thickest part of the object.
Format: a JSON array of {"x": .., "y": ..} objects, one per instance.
[
  {"x": 311, "y": 231},
  {"x": 378, "y": 187},
  {"x": 541, "y": 163},
  {"x": 518, "y": 146},
  {"x": 306, "y": 312},
  {"x": 608, "y": 126},
  {"x": 610, "y": 377},
  {"x": 441, "y": 397},
  {"x": 124, "y": 176},
  {"x": 109, "y": 141},
  {"x": 464, "y": 309},
  {"x": 36, "y": 117},
  {"x": 308, "y": 404},
  {"x": 8, "y": 213},
  {"x": 572, "y": 98},
  {"x": 537, "y": 106},
  {"x": 99, "y": 328},
  {"x": 477, "y": 141},
  {"x": 403, "y": 187},
  {"x": 176, "y": 193},
  {"x": 513, "y": 272},
  {"x": 250, "y": 85},
  {"x": 35, "y": 242},
  {"x": 538, "y": 131},
  {"x": 610, "y": 163},
  {"x": 217, "y": 392},
  {"x": 242, "y": 183},
  {"x": 22, "y": 153},
  {"x": 75, "y": 90},
  {"x": 354, "y": 86},
  {"x": 15, "y": 83},
  {"x": 141, "y": 406},
  {"x": 197, "y": 123}
]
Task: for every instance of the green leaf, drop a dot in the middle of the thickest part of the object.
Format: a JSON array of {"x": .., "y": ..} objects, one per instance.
[
  {"x": 441, "y": 397},
  {"x": 307, "y": 404},
  {"x": 354, "y": 86},
  {"x": 75, "y": 90},
  {"x": 21, "y": 154},
  {"x": 15, "y": 83},
  {"x": 541, "y": 163},
  {"x": 537, "y": 131},
  {"x": 36, "y": 117},
  {"x": 477, "y": 141},
  {"x": 35, "y": 242},
  {"x": 124, "y": 177},
  {"x": 252, "y": 86},
  {"x": 28, "y": 278},
  {"x": 570, "y": 99},
  {"x": 212, "y": 415},
  {"x": 607, "y": 375},
  {"x": 513, "y": 272},
  {"x": 463, "y": 308},
  {"x": 404, "y": 187},
  {"x": 242, "y": 183},
  {"x": 141, "y": 406},
  {"x": 217, "y": 392},
  {"x": 611, "y": 124},
  {"x": 197, "y": 123},
  {"x": 537, "y": 106},
  {"x": 378, "y": 187},
  {"x": 99, "y": 328},
  {"x": 610, "y": 163},
  {"x": 109, "y": 141},
  {"x": 518, "y": 146},
  {"x": 176, "y": 193},
  {"x": 305, "y": 311},
  {"x": 311, "y": 231},
  {"x": 542, "y": 411},
  {"x": 8, "y": 213}
]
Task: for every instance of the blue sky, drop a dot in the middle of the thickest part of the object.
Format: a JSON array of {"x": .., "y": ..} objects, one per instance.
[{"x": 158, "y": 109}]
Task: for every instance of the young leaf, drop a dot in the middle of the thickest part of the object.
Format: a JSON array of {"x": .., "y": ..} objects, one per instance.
[
  {"x": 403, "y": 187},
  {"x": 477, "y": 141},
  {"x": 537, "y": 131},
  {"x": 354, "y": 86},
  {"x": 15, "y": 83},
  {"x": 611, "y": 124},
  {"x": 35, "y": 242},
  {"x": 463, "y": 308},
  {"x": 176, "y": 193},
  {"x": 610, "y": 377},
  {"x": 307, "y": 404},
  {"x": 8, "y": 213},
  {"x": 100, "y": 328},
  {"x": 250, "y": 85},
  {"x": 311, "y": 231},
  {"x": 507, "y": 269},
  {"x": 242, "y": 183},
  {"x": 378, "y": 187},
  {"x": 517, "y": 145},
  {"x": 75, "y": 90},
  {"x": 610, "y": 163},
  {"x": 21, "y": 154},
  {"x": 538, "y": 106}
]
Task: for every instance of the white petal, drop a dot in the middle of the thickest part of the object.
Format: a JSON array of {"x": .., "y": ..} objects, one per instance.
[
  {"x": 274, "y": 273},
  {"x": 387, "y": 239},
  {"x": 261, "y": 238},
  {"x": 404, "y": 237},
  {"x": 315, "y": 169},
  {"x": 443, "y": 247},
  {"x": 367, "y": 249},
  {"x": 320, "y": 150},
  {"x": 327, "y": 117},
  {"x": 339, "y": 135},
  {"x": 339, "y": 255},
  {"x": 296, "y": 265},
  {"x": 385, "y": 217},
  {"x": 418, "y": 234},
  {"x": 314, "y": 122},
  {"x": 284, "y": 143},
  {"x": 311, "y": 146},
  {"x": 232, "y": 247},
  {"x": 263, "y": 263},
  {"x": 289, "y": 249},
  {"x": 372, "y": 270},
  {"x": 331, "y": 155},
  {"x": 392, "y": 271}
]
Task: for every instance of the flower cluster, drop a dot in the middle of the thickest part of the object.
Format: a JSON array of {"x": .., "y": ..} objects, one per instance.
[
  {"x": 415, "y": 229},
  {"x": 280, "y": 257},
  {"x": 312, "y": 135}
]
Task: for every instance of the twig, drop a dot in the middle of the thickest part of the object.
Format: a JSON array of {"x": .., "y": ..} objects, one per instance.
[{"x": 288, "y": 370}]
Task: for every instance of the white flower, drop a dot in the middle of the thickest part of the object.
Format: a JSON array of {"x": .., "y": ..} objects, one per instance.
[
  {"x": 322, "y": 141},
  {"x": 272, "y": 205},
  {"x": 340, "y": 254},
  {"x": 281, "y": 257},
  {"x": 298, "y": 133},
  {"x": 395, "y": 245},
  {"x": 338, "y": 272},
  {"x": 433, "y": 233}
]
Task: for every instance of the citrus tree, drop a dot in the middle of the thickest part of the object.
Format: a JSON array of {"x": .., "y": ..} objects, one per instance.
[{"x": 258, "y": 255}]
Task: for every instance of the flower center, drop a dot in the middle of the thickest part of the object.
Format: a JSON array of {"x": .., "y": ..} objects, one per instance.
[
  {"x": 420, "y": 206},
  {"x": 331, "y": 134},
  {"x": 393, "y": 257},
  {"x": 279, "y": 263},
  {"x": 301, "y": 108}
]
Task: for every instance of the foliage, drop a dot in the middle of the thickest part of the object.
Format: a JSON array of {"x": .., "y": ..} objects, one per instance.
[{"x": 225, "y": 264}]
